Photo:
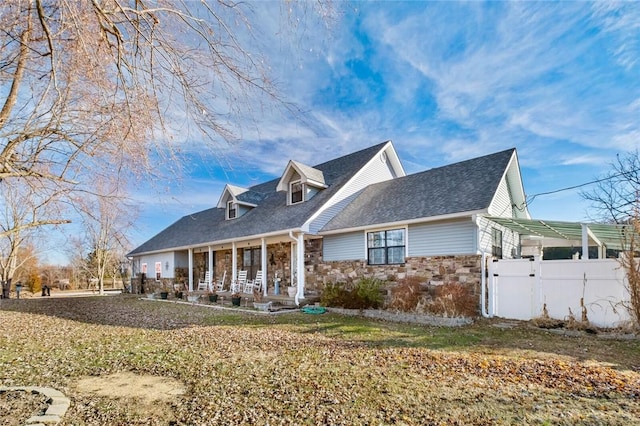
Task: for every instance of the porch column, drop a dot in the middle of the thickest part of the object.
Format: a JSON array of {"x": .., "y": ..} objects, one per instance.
[
  {"x": 234, "y": 263},
  {"x": 190, "y": 269},
  {"x": 263, "y": 261},
  {"x": 209, "y": 286},
  {"x": 300, "y": 267},
  {"x": 585, "y": 242}
]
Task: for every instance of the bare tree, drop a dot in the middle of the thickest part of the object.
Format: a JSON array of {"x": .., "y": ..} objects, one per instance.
[
  {"x": 616, "y": 198},
  {"x": 89, "y": 81},
  {"x": 82, "y": 272},
  {"x": 106, "y": 220},
  {"x": 22, "y": 213},
  {"x": 94, "y": 88}
]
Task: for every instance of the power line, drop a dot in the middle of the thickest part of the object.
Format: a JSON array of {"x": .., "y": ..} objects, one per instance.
[{"x": 568, "y": 188}]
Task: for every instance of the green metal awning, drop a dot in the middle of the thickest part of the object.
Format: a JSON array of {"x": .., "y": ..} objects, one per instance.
[{"x": 610, "y": 235}]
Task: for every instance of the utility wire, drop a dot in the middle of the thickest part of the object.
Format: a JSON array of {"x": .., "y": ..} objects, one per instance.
[{"x": 528, "y": 202}]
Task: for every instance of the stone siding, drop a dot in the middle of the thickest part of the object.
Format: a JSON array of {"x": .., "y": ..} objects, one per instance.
[{"x": 433, "y": 271}]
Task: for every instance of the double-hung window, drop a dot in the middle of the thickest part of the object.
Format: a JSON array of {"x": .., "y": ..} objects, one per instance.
[
  {"x": 296, "y": 192},
  {"x": 231, "y": 210},
  {"x": 386, "y": 247}
]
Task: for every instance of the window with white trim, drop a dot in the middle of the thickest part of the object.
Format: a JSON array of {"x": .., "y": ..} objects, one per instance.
[
  {"x": 386, "y": 247},
  {"x": 296, "y": 192},
  {"x": 232, "y": 210}
]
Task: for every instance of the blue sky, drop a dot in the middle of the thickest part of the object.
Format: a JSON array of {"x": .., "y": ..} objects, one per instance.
[{"x": 445, "y": 81}]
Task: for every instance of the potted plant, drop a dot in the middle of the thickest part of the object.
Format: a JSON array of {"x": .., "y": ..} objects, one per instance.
[
  {"x": 292, "y": 290},
  {"x": 235, "y": 299},
  {"x": 164, "y": 292},
  {"x": 213, "y": 296},
  {"x": 193, "y": 298},
  {"x": 179, "y": 284},
  {"x": 257, "y": 301}
]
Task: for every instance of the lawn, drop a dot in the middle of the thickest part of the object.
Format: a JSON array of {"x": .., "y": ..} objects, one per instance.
[{"x": 127, "y": 361}]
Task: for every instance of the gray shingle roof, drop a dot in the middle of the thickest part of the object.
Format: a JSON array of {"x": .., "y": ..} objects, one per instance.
[
  {"x": 271, "y": 215},
  {"x": 310, "y": 172},
  {"x": 465, "y": 186}
]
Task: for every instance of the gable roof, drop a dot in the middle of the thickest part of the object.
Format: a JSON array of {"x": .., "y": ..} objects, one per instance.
[
  {"x": 272, "y": 214},
  {"x": 238, "y": 194},
  {"x": 307, "y": 174},
  {"x": 467, "y": 186}
]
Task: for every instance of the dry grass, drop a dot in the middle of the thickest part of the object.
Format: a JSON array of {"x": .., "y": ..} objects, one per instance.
[{"x": 313, "y": 369}]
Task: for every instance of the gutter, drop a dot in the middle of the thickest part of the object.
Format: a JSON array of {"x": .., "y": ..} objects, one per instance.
[{"x": 451, "y": 216}]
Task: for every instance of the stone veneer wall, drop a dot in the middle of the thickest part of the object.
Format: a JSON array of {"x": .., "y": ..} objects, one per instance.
[{"x": 433, "y": 270}]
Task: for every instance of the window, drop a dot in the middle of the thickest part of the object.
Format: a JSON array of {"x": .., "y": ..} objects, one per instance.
[
  {"x": 296, "y": 191},
  {"x": 386, "y": 247},
  {"x": 231, "y": 210},
  {"x": 496, "y": 243},
  {"x": 158, "y": 270}
]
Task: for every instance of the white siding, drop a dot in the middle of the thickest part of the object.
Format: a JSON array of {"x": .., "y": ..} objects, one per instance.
[
  {"x": 502, "y": 202},
  {"x": 375, "y": 171},
  {"x": 163, "y": 258},
  {"x": 510, "y": 239},
  {"x": 343, "y": 247},
  {"x": 441, "y": 239}
]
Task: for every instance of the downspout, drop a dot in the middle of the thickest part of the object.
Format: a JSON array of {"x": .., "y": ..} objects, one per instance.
[
  {"x": 483, "y": 287},
  {"x": 483, "y": 271}
]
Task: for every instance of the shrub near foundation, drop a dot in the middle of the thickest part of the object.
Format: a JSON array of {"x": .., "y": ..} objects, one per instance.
[
  {"x": 406, "y": 295},
  {"x": 364, "y": 294},
  {"x": 452, "y": 300}
]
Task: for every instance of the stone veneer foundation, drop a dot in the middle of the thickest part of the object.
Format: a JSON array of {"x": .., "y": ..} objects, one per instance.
[{"x": 433, "y": 270}]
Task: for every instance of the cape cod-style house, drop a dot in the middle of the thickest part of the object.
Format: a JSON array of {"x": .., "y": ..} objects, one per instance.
[{"x": 353, "y": 216}]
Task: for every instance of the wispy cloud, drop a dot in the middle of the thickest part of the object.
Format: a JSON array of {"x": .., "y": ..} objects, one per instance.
[{"x": 446, "y": 81}]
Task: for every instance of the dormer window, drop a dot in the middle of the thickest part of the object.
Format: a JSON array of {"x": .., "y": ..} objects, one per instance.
[
  {"x": 301, "y": 182},
  {"x": 296, "y": 192},
  {"x": 231, "y": 210}
]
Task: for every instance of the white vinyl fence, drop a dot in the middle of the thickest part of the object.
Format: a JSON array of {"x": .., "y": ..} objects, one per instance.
[{"x": 519, "y": 289}]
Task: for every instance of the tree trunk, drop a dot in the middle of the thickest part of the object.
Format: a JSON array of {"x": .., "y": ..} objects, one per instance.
[{"x": 6, "y": 288}]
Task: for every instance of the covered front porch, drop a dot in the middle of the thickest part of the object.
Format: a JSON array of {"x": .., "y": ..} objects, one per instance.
[{"x": 276, "y": 262}]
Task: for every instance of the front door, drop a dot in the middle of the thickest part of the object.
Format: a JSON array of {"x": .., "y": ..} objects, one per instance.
[{"x": 252, "y": 262}]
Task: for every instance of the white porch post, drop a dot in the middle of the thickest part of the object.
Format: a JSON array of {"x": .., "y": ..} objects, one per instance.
[
  {"x": 209, "y": 286},
  {"x": 190, "y": 269},
  {"x": 263, "y": 260},
  {"x": 234, "y": 262},
  {"x": 585, "y": 242},
  {"x": 300, "y": 267}
]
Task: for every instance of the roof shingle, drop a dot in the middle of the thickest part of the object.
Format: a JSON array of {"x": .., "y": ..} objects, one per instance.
[
  {"x": 271, "y": 215},
  {"x": 465, "y": 186}
]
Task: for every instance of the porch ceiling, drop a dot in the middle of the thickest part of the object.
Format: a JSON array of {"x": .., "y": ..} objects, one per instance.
[{"x": 612, "y": 236}]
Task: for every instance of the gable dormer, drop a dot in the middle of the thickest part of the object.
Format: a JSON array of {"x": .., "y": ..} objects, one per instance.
[
  {"x": 232, "y": 201},
  {"x": 301, "y": 182}
]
